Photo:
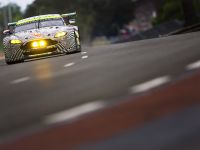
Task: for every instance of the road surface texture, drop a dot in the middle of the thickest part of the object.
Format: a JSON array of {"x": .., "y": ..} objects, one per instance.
[{"x": 132, "y": 89}]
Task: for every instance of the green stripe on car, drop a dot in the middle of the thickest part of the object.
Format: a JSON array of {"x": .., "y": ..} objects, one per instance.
[{"x": 37, "y": 18}]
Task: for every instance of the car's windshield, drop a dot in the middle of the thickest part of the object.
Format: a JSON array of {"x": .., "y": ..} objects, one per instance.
[
  {"x": 40, "y": 24},
  {"x": 48, "y": 23},
  {"x": 25, "y": 27}
]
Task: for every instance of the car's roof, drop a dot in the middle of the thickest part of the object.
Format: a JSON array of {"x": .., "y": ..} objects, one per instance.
[{"x": 40, "y": 17}]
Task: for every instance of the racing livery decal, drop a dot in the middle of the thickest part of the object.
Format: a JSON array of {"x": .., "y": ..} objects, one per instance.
[{"x": 40, "y": 35}]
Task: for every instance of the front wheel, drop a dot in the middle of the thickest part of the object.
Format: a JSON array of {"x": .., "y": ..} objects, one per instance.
[
  {"x": 77, "y": 41},
  {"x": 8, "y": 62},
  {"x": 13, "y": 56}
]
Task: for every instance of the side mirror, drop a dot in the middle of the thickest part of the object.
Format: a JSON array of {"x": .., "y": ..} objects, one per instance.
[
  {"x": 72, "y": 21},
  {"x": 7, "y": 32}
]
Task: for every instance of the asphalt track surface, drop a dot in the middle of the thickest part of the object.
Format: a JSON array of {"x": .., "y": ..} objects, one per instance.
[{"x": 33, "y": 91}]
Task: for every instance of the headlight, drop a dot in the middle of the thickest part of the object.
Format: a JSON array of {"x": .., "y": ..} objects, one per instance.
[
  {"x": 60, "y": 34},
  {"x": 35, "y": 44},
  {"x": 41, "y": 43},
  {"x": 15, "y": 42}
]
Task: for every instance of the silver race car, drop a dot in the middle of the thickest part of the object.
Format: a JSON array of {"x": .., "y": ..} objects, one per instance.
[{"x": 41, "y": 36}]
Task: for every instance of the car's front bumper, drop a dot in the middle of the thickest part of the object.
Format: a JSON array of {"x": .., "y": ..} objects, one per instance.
[{"x": 61, "y": 46}]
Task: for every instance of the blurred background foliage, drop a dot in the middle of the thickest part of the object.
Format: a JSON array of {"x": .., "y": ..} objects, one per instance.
[
  {"x": 171, "y": 9},
  {"x": 187, "y": 10},
  {"x": 97, "y": 18}
]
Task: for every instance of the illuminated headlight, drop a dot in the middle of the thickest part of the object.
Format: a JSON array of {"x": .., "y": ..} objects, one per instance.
[
  {"x": 60, "y": 34},
  {"x": 15, "y": 42},
  {"x": 42, "y": 43},
  {"x": 37, "y": 44}
]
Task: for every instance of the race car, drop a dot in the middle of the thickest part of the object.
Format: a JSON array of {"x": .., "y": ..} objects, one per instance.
[{"x": 41, "y": 36}]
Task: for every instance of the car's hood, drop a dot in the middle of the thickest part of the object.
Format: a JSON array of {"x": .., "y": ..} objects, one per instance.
[{"x": 47, "y": 32}]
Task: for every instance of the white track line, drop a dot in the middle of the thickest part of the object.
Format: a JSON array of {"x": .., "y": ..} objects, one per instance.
[
  {"x": 150, "y": 84},
  {"x": 83, "y": 52},
  {"x": 20, "y": 80},
  {"x": 74, "y": 112},
  {"x": 84, "y": 57},
  {"x": 69, "y": 64},
  {"x": 194, "y": 65}
]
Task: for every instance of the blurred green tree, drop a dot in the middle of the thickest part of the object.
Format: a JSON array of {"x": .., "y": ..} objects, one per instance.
[
  {"x": 190, "y": 13},
  {"x": 16, "y": 15},
  {"x": 185, "y": 10},
  {"x": 170, "y": 9}
]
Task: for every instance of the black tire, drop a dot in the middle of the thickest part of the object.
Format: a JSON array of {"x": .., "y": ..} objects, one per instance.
[
  {"x": 9, "y": 60},
  {"x": 77, "y": 40},
  {"x": 13, "y": 62}
]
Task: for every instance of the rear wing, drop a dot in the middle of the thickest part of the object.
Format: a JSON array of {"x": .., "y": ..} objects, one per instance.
[
  {"x": 12, "y": 24},
  {"x": 71, "y": 17}
]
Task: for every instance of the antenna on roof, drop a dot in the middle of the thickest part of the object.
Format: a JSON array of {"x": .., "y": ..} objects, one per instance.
[{"x": 37, "y": 11}]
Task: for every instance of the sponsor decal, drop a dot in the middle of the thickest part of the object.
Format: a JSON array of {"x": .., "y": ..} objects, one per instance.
[{"x": 37, "y": 34}]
